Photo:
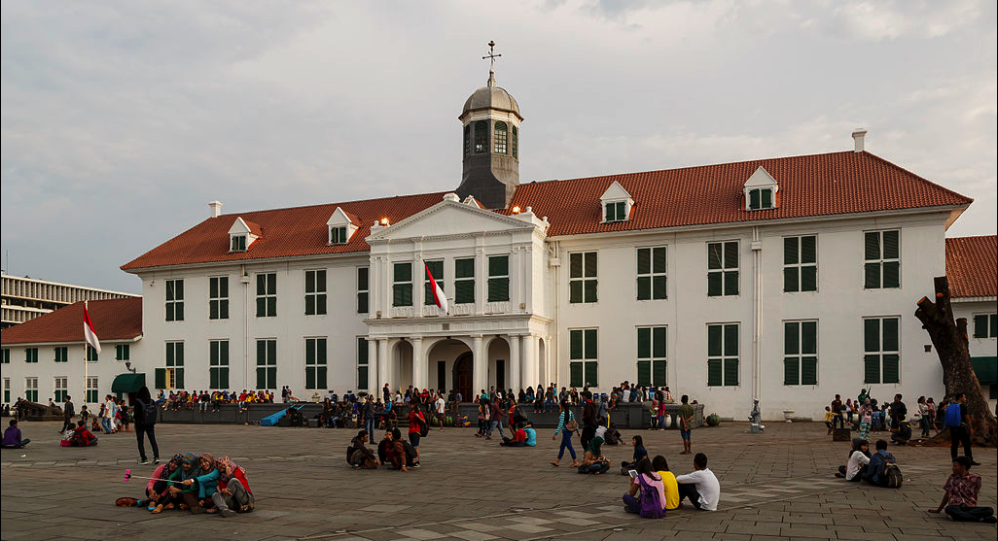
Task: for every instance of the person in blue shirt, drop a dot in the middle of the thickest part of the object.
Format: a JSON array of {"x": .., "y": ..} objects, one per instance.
[
  {"x": 639, "y": 454},
  {"x": 877, "y": 459},
  {"x": 531, "y": 434}
]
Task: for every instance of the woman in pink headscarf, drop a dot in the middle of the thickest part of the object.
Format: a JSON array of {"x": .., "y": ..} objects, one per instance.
[{"x": 234, "y": 493}]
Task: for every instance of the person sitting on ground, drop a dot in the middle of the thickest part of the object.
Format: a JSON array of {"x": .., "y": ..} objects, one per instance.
[
  {"x": 651, "y": 499},
  {"x": 876, "y": 464},
  {"x": 593, "y": 460},
  {"x": 859, "y": 457},
  {"x": 12, "y": 437},
  {"x": 392, "y": 451},
  {"x": 158, "y": 487},
  {"x": 519, "y": 438},
  {"x": 661, "y": 466},
  {"x": 639, "y": 454},
  {"x": 531, "y": 434},
  {"x": 178, "y": 485},
  {"x": 196, "y": 490},
  {"x": 81, "y": 436},
  {"x": 612, "y": 435},
  {"x": 359, "y": 456},
  {"x": 700, "y": 486},
  {"x": 960, "y": 497},
  {"x": 234, "y": 494}
]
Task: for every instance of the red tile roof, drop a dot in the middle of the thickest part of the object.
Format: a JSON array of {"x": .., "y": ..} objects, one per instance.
[
  {"x": 817, "y": 185},
  {"x": 972, "y": 266},
  {"x": 113, "y": 319}
]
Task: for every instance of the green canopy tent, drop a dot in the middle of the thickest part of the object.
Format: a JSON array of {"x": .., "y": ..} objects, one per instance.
[{"x": 127, "y": 383}]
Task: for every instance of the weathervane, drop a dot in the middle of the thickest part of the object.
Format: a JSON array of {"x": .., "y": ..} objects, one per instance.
[{"x": 492, "y": 62}]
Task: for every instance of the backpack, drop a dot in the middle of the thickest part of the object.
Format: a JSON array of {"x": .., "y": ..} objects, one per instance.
[
  {"x": 954, "y": 415},
  {"x": 424, "y": 427},
  {"x": 148, "y": 412},
  {"x": 410, "y": 453},
  {"x": 890, "y": 473},
  {"x": 651, "y": 505}
]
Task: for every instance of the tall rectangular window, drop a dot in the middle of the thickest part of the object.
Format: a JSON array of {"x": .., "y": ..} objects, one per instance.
[
  {"x": 882, "y": 253},
  {"x": 315, "y": 363},
  {"x": 362, "y": 290},
  {"x": 266, "y": 364},
  {"x": 31, "y": 389},
  {"x": 122, "y": 352},
  {"x": 174, "y": 371},
  {"x": 437, "y": 270},
  {"x": 498, "y": 278},
  {"x": 402, "y": 284},
  {"x": 800, "y": 353},
  {"x": 5, "y": 359},
  {"x": 882, "y": 350},
  {"x": 652, "y": 356},
  {"x": 266, "y": 295},
  {"x": 61, "y": 388},
  {"x": 363, "y": 366},
  {"x": 91, "y": 354},
  {"x": 584, "y": 357},
  {"x": 464, "y": 281},
  {"x": 582, "y": 279},
  {"x": 218, "y": 297},
  {"x": 62, "y": 354},
  {"x": 218, "y": 364},
  {"x": 800, "y": 263},
  {"x": 722, "y": 269},
  {"x": 174, "y": 300},
  {"x": 6, "y": 390},
  {"x": 315, "y": 292},
  {"x": 651, "y": 273},
  {"x": 985, "y": 325},
  {"x": 31, "y": 355},
  {"x": 93, "y": 390},
  {"x": 722, "y": 355}
]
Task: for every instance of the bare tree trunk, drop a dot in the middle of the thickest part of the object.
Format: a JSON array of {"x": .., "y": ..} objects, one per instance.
[{"x": 949, "y": 337}]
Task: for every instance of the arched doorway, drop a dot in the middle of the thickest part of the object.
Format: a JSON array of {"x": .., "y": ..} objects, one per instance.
[{"x": 463, "y": 376}]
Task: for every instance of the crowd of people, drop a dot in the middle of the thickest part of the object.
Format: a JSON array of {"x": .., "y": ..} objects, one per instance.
[{"x": 198, "y": 484}]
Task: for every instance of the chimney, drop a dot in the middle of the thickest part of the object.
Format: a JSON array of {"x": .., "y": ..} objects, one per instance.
[
  {"x": 859, "y": 136},
  {"x": 216, "y": 208}
]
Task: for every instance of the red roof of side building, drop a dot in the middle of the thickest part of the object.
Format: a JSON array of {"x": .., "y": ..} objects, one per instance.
[
  {"x": 972, "y": 266},
  {"x": 816, "y": 185},
  {"x": 113, "y": 319}
]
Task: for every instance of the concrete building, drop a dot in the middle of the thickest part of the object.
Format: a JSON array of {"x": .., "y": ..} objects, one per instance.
[
  {"x": 973, "y": 278},
  {"x": 785, "y": 279},
  {"x": 25, "y": 298}
]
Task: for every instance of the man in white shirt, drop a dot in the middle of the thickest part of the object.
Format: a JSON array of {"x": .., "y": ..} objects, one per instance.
[
  {"x": 441, "y": 408},
  {"x": 700, "y": 486},
  {"x": 110, "y": 408}
]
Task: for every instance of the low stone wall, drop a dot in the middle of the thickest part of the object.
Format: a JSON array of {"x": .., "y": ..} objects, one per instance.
[{"x": 626, "y": 416}]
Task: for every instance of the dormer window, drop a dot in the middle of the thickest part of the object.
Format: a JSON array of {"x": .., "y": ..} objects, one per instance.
[
  {"x": 760, "y": 191},
  {"x": 338, "y": 235},
  {"x": 243, "y": 234},
  {"x": 760, "y": 199},
  {"x": 616, "y": 203},
  {"x": 238, "y": 243},
  {"x": 342, "y": 226}
]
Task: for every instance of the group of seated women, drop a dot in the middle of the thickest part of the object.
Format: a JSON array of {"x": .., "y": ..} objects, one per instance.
[{"x": 199, "y": 484}]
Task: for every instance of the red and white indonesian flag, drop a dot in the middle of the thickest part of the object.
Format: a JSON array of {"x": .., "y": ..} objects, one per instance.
[
  {"x": 438, "y": 292},
  {"x": 88, "y": 330}
]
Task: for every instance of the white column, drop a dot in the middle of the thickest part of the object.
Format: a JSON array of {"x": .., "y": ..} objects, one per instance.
[
  {"x": 530, "y": 362},
  {"x": 481, "y": 364},
  {"x": 514, "y": 363},
  {"x": 384, "y": 363},
  {"x": 418, "y": 364},
  {"x": 372, "y": 366}
]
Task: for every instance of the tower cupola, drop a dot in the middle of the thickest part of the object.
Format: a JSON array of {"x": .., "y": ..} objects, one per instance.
[{"x": 491, "y": 143}]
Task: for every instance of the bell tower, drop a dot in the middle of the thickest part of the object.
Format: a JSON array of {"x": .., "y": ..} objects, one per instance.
[{"x": 491, "y": 142}]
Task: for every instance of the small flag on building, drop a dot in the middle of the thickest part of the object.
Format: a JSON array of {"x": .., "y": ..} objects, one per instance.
[
  {"x": 88, "y": 330},
  {"x": 438, "y": 292}
]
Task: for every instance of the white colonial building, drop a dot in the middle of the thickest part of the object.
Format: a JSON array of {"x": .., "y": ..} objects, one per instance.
[{"x": 786, "y": 279}]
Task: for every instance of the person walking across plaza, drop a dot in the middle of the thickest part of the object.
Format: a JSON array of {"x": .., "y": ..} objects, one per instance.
[
  {"x": 416, "y": 420},
  {"x": 145, "y": 424},
  {"x": 495, "y": 414},
  {"x": 958, "y": 422},
  {"x": 567, "y": 426},
  {"x": 68, "y": 412},
  {"x": 686, "y": 424},
  {"x": 441, "y": 408},
  {"x": 960, "y": 495}
]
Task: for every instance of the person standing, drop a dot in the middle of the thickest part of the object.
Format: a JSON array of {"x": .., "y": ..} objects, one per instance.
[
  {"x": 107, "y": 419},
  {"x": 686, "y": 424},
  {"x": 68, "y": 412},
  {"x": 416, "y": 420},
  {"x": 958, "y": 422},
  {"x": 837, "y": 419},
  {"x": 145, "y": 424},
  {"x": 590, "y": 419},
  {"x": 441, "y": 406}
]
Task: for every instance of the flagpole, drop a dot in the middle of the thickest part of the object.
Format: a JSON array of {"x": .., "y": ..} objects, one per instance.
[{"x": 86, "y": 368}]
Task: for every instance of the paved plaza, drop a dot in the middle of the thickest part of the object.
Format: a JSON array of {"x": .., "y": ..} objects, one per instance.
[{"x": 775, "y": 485}]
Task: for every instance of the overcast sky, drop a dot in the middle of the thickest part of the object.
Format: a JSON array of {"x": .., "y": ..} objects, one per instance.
[{"x": 122, "y": 120}]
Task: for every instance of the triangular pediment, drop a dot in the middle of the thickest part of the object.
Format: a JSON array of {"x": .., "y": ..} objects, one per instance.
[
  {"x": 615, "y": 192},
  {"x": 239, "y": 227},
  {"x": 450, "y": 218},
  {"x": 760, "y": 179}
]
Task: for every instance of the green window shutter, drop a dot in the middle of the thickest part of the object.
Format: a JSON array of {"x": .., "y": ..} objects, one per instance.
[
  {"x": 362, "y": 378},
  {"x": 213, "y": 347},
  {"x": 272, "y": 352},
  {"x": 715, "y": 285},
  {"x": 809, "y": 249},
  {"x": 730, "y": 372},
  {"x": 575, "y": 344},
  {"x": 591, "y": 343},
  {"x": 791, "y": 338},
  {"x": 179, "y": 354},
  {"x": 320, "y": 378},
  {"x": 213, "y": 309},
  {"x": 576, "y": 374},
  {"x": 791, "y": 282},
  {"x": 575, "y": 292},
  {"x": 659, "y": 262},
  {"x": 767, "y": 198},
  {"x": 730, "y": 340},
  {"x": 362, "y": 273},
  {"x": 891, "y": 339},
  {"x": 731, "y": 255},
  {"x": 730, "y": 282},
  {"x": 160, "y": 378},
  {"x": 871, "y": 369},
  {"x": 809, "y": 278},
  {"x": 464, "y": 268},
  {"x": 791, "y": 250},
  {"x": 644, "y": 260},
  {"x": 498, "y": 289},
  {"x": 180, "y": 377},
  {"x": 644, "y": 373},
  {"x": 402, "y": 272},
  {"x": 809, "y": 337},
  {"x": 659, "y": 287},
  {"x": 223, "y": 377},
  {"x": 871, "y": 249},
  {"x": 592, "y": 373},
  {"x": 892, "y": 368},
  {"x": 871, "y": 335},
  {"x": 644, "y": 288},
  {"x": 659, "y": 373},
  {"x": 714, "y": 251},
  {"x": 644, "y": 343},
  {"x": 261, "y": 352},
  {"x": 213, "y": 378},
  {"x": 309, "y": 351},
  {"x": 611, "y": 214},
  {"x": 791, "y": 375},
  {"x": 754, "y": 199},
  {"x": 310, "y": 377},
  {"x": 993, "y": 326},
  {"x": 659, "y": 342},
  {"x": 809, "y": 370},
  {"x": 362, "y": 307},
  {"x": 715, "y": 344},
  {"x": 464, "y": 291},
  {"x": 892, "y": 274},
  {"x": 169, "y": 354},
  {"x": 309, "y": 305},
  {"x": 575, "y": 265},
  {"x": 261, "y": 307},
  {"x": 271, "y": 306},
  {"x": 590, "y": 289},
  {"x": 261, "y": 377},
  {"x": 981, "y": 326},
  {"x": 892, "y": 244},
  {"x": 714, "y": 372},
  {"x": 591, "y": 264},
  {"x": 320, "y": 303},
  {"x": 621, "y": 210},
  {"x": 499, "y": 265},
  {"x": 310, "y": 281}
]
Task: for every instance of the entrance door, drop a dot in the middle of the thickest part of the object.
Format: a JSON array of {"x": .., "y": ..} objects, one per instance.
[
  {"x": 463, "y": 381},
  {"x": 501, "y": 375}
]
